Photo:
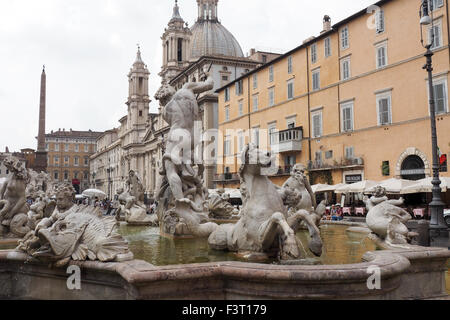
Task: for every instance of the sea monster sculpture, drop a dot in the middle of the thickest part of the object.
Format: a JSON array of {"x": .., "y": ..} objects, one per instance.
[
  {"x": 75, "y": 233},
  {"x": 264, "y": 226}
]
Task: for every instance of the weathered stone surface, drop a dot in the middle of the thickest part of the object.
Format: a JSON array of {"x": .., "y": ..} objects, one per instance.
[{"x": 416, "y": 273}]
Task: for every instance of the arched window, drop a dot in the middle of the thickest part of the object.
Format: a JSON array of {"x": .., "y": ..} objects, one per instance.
[{"x": 413, "y": 168}]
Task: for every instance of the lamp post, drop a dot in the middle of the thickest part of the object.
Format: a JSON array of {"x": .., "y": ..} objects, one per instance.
[{"x": 438, "y": 230}]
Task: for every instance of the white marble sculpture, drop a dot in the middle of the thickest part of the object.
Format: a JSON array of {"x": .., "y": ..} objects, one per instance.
[
  {"x": 264, "y": 226},
  {"x": 387, "y": 220},
  {"x": 13, "y": 205},
  {"x": 297, "y": 194},
  {"x": 181, "y": 190},
  {"x": 74, "y": 233},
  {"x": 219, "y": 206},
  {"x": 131, "y": 203}
]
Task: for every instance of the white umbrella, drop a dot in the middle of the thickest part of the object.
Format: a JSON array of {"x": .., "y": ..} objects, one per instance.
[
  {"x": 358, "y": 187},
  {"x": 392, "y": 185},
  {"x": 92, "y": 193},
  {"x": 425, "y": 186},
  {"x": 235, "y": 194},
  {"x": 325, "y": 187}
]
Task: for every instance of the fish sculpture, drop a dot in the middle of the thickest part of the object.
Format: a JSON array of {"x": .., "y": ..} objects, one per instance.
[{"x": 81, "y": 235}]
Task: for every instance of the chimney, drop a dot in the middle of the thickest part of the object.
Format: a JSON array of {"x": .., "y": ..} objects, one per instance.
[
  {"x": 7, "y": 150},
  {"x": 252, "y": 51},
  {"x": 326, "y": 24}
]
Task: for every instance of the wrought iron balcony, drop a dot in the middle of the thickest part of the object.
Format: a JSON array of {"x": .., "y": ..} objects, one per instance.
[
  {"x": 344, "y": 163},
  {"x": 289, "y": 140}
]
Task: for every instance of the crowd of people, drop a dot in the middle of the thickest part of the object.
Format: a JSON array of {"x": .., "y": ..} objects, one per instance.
[{"x": 334, "y": 214}]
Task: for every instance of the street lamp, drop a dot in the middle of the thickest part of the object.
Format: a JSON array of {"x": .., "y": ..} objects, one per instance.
[{"x": 438, "y": 229}]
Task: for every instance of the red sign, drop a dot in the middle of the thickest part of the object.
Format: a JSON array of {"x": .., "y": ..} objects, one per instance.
[{"x": 76, "y": 181}]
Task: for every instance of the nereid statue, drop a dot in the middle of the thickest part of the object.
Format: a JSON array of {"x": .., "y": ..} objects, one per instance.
[
  {"x": 74, "y": 233},
  {"x": 13, "y": 205},
  {"x": 131, "y": 203},
  {"x": 387, "y": 220}
]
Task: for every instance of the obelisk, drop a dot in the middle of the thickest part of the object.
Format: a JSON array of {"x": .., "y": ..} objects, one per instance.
[{"x": 41, "y": 153}]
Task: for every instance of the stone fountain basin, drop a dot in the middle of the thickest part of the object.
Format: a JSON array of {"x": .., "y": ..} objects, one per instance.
[{"x": 418, "y": 273}]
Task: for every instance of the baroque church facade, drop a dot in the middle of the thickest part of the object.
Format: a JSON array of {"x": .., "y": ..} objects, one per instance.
[{"x": 188, "y": 53}]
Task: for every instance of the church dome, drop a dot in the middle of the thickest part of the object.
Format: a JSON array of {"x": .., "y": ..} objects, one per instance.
[{"x": 210, "y": 37}]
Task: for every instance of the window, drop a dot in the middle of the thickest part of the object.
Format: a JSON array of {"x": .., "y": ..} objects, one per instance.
[
  {"x": 318, "y": 157},
  {"x": 347, "y": 116},
  {"x": 56, "y": 161},
  {"x": 227, "y": 113},
  {"x": 382, "y": 55},
  {"x": 290, "y": 64},
  {"x": 327, "y": 45},
  {"x": 227, "y": 94},
  {"x": 349, "y": 153},
  {"x": 271, "y": 74},
  {"x": 56, "y": 175},
  {"x": 316, "y": 80},
  {"x": 66, "y": 161},
  {"x": 290, "y": 89},
  {"x": 317, "y": 124},
  {"x": 239, "y": 88},
  {"x": 345, "y": 69},
  {"x": 385, "y": 169},
  {"x": 46, "y": 147},
  {"x": 436, "y": 31},
  {"x": 241, "y": 141},
  {"x": 57, "y": 147},
  {"x": 255, "y": 81},
  {"x": 272, "y": 134},
  {"x": 241, "y": 108},
  {"x": 440, "y": 96},
  {"x": 86, "y": 175},
  {"x": 379, "y": 17},
  {"x": 256, "y": 136},
  {"x": 314, "y": 53},
  {"x": 66, "y": 175},
  {"x": 344, "y": 38},
  {"x": 66, "y": 147},
  {"x": 75, "y": 175},
  {"x": 436, "y": 4},
  {"x": 271, "y": 97},
  {"x": 86, "y": 161},
  {"x": 255, "y": 102},
  {"x": 86, "y": 148},
  {"x": 227, "y": 147},
  {"x": 264, "y": 58},
  {"x": 329, "y": 154},
  {"x": 224, "y": 78},
  {"x": 76, "y": 161},
  {"x": 77, "y": 146},
  {"x": 384, "y": 108}
]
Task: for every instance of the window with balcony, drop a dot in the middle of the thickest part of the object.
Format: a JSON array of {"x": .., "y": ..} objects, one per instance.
[
  {"x": 349, "y": 153},
  {"x": 272, "y": 134}
]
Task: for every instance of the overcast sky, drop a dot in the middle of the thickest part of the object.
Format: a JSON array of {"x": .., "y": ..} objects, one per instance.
[{"x": 88, "y": 47}]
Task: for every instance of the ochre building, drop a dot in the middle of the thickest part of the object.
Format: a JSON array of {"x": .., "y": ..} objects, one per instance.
[{"x": 350, "y": 104}]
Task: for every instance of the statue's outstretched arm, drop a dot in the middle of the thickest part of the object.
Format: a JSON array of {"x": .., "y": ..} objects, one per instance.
[
  {"x": 3, "y": 189},
  {"x": 200, "y": 87},
  {"x": 311, "y": 193}
]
